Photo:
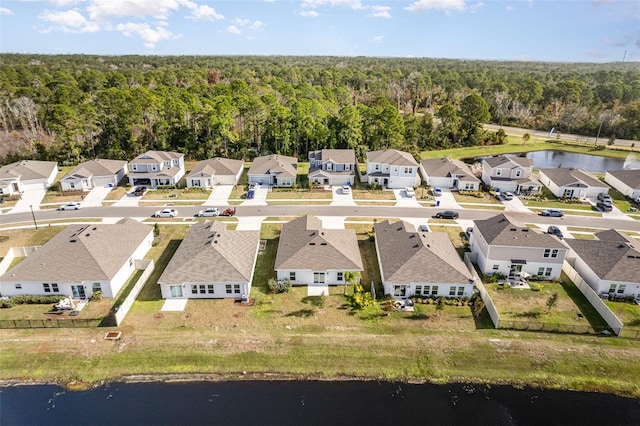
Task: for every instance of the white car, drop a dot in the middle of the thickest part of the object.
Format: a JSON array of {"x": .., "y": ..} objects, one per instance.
[
  {"x": 165, "y": 213},
  {"x": 210, "y": 212},
  {"x": 410, "y": 192},
  {"x": 70, "y": 206},
  {"x": 346, "y": 189}
]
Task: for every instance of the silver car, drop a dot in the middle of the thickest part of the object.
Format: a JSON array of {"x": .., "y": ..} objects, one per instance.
[
  {"x": 210, "y": 212},
  {"x": 165, "y": 213},
  {"x": 70, "y": 206}
]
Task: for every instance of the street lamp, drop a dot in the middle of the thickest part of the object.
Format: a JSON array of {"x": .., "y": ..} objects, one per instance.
[{"x": 33, "y": 216}]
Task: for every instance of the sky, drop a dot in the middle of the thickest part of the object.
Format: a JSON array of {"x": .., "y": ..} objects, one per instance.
[{"x": 524, "y": 30}]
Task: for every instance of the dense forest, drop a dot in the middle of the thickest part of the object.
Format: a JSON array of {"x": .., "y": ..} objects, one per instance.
[{"x": 71, "y": 108}]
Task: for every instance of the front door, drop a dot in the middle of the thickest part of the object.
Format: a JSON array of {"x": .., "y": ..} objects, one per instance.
[
  {"x": 78, "y": 291},
  {"x": 176, "y": 290}
]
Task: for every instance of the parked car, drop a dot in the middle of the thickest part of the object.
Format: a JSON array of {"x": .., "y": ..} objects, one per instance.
[
  {"x": 210, "y": 212},
  {"x": 507, "y": 195},
  {"x": 423, "y": 228},
  {"x": 447, "y": 214},
  {"x": 437, "y": 191},
  {"x": 604, "y": 197},
  {"x": 554, "y": 230},
  {"x": 70, "y": 206},
  {"x": 552, "y": 213},
  {"x": 165, "y": 213},
  {"x": 228, "y": 212},
  {"x": 410, "y": 192},
  {"x": 253, "y": 185},
  {"x": 467, "y": 232},
  {"x": 346, "y": 189},
  {"x": 251, "y": 194},
  {"x": 139, "y": 191},
  {"x": 603, "y": 206}
]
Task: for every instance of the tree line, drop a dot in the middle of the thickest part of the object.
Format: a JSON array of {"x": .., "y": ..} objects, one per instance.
[{"x": 73, "y": 107}]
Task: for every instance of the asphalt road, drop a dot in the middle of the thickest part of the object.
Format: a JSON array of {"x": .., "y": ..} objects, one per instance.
[
  {"x": 517, "y": 131},
  {"x": 346, "y": 211}
]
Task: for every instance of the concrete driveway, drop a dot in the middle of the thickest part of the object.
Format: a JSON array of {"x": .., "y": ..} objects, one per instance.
[
  {"x": 447, "y": 200},
  {"x": 219, "y": 196},
  {"x": 95, "y": 197},
  {"x": 332, "y": 222},
  {"x": 259, "y": 197},
  {"x": 128, "y": 200},
  {"x": 402, "y": 200},
  {"x": 29, "y": 198},
  {"x": 338, "y": 198},
  {"x": 515, "y": 205},
  {"x": 250, "y": 223}
]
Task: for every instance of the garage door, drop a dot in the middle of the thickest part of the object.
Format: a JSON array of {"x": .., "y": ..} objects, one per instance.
[
  {"x": 30, "y": 186},
  {"x": 104, "y": 181}
]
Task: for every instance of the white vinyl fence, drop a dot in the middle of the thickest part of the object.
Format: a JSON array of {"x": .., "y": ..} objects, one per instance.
[
  {"x": 484, "y": 295},
  {"x": 148, "y": 266},
  {"x": 13, "y": 253}
]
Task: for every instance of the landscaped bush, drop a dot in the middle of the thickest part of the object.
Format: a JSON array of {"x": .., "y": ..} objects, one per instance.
[
  {"x": 30, "y": 300},
  {"x": 536, "y": 287},
  {"x": 477, "y": 194},
  {"x": 279, "y": 286}
]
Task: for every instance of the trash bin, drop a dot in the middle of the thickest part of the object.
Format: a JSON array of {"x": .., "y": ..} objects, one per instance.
[{"x": 437, "y": 203}]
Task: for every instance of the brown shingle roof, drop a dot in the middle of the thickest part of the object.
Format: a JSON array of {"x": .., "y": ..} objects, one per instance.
[
  {"x": 571, "y": 177},
  {"x": 217, "y": 167},
  {"x": 81, "y": 253},
  {"x": 447, "y": 167},
  {"x": 339, "y": 156},
  {"x": 304, "y": 244},
  {"x": 499, "y": 231},
  {"x": 28, "y": 170},
  {"x": 274, "y": 164},
  {"x": 97, "y": 167},
  {"x": 392, "y": 157},
  {"x": 408, "y": 256},
  {"x": 211, "y": 253},
  {"x": 157, "y": 156},
  {"x": 629, "y": 177}
]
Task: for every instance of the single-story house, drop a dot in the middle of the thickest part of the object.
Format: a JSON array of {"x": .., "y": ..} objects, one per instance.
[
  {"x": 610, "y": 264},
  {"x": 572, "y": 183},
  {"x": 311, "y": 255},
  {"x": 215, "y": 171},
  {"x": 275, "y": 170},
  {"x": 211, "y": 262},
  {"x": 515, "y": 251},
  {"x": 95, "y": 173},
  {"x": 449, "y": 173},
  {"x": 27, "y": 175},
  {"x": 81, "y": 260},
  {"x": 625, "y": 181},
  {"x": 419, "y": 263}
]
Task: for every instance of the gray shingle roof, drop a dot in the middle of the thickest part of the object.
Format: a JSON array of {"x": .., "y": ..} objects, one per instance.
[
  {"x": 499, "y": 231},
  {"x": 612, "y": 235},
  {"x": 392, "y": 157},
  {"x": 408, "y": 256},
  {"x": 571, "y": 177},
  {"x": 97, "y": 167},
  {"x": 339, "y": 156},
  {"x": 630, "y": 177},
  {"x": 217, "y": 167},
  {"x": 304, "y": 244},
  {"x": 447, "y": 167},
  {"x": 281, "y": 165},
  {"x": 82, "y": 253},
  {"x": 512, "y": 162},
  {"x": 211, "y": 253},
  {"x": 156, "y": 156},
  {"x": 610, "y": 260},
  {"x": 28, "y": 170}
]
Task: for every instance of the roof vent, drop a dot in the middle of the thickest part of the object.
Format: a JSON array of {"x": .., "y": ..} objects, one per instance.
[
  {"x": 416, "y": 246},
  {"x": 72, "y": 241},
  {"x": 323, "y": 244},
  {"x": 86, "y": 235},
  {"x": 513, "y": 229},
  {"x": 400, "y": 228},
  {"x": 211, "y": 235},
  {"x": 312, "y": 244},
  {"x": 412, "y": 236},
  {"x": 525, "y": 229},
  {"x": 94, "y": 228},
  {"x": 215, "y": 241}
]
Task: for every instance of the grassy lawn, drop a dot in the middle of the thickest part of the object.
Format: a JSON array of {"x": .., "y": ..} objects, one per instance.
[
  {"x": 176, "y": 194},
  {"x": 367, "y": 247},
  {"x": 26, "y": 237},
  {"x": 628, "y": 313},
  {"x": 584, "y": 236},
  {"x": 116, "y": 193},
  {"x": 366, "y": 194},
  {"x": 55, "y": 195},
  {"x": 298, "y": 194}
]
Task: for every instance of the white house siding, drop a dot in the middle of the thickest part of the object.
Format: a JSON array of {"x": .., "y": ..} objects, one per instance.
[
  {"x": 442, "y": 182},
  {"x": 285, "y": 181},
  {"x": 398, "y": 182},
  {"x": 224, "y": 180},
  {"x": 35, "y": 288},
  {"x": 265, "y": 179},
  {"x": 305, "y": 277},
  {"x": 621, "y": 186},
  {"x": 34, "y": 185},
  {"x": 601, "y": 286},
  {"x": 199, "y": 182},
  {"x": 101, "y": 181},
  {"x": 76, "y": 184},
  {"x": 219, "y": 290},
  {"x": 443, "y": 289}
]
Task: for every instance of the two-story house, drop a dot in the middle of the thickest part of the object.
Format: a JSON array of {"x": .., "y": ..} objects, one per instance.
[
  {"x": 510, "y": 174},
  {"x": 515, "y": 251},
  {"x": 392, "y": 169},
  {"x": 156, "y": 168},
  {"x": 419, "y": 263},
  {"x": 332, "y": 167},
  {"x": 449, "y": 173}
]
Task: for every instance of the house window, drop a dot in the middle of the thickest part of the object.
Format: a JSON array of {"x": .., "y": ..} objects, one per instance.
[
  {"x": 621, "y": 288},
  {"x": 292, "y": 276},
  {"x": 452, "y": 290},
  {"x": 318, "y": 277},
  {"x": 426, "y": 290},
  {"x": 210, "y": 288},
  {"x": 46, "y": 287},
  {"x": 547, "y": 272},
  {"x": 460, "y": 291},
  {"x": 408, "y": 170},
  {"x": 203, "y": 289},
  {"x": 518, "y": 173},
  {"x": 377, "y": 167},
  {"x": 340, "y": 276},
  {"x": 418, "y": 289},
  {"x": 194, "y": 289},
  {"x": 496, "y": 267},
  {"x": 50, "y": 288},
  {"x": 550, "y": 253},
  {"x": 18, "y": 286},
  {"x": 612, "y": 288},
  {"x": 97, "y": 287},
  {"x": 541, "y": 271},
  {"x": 236, "y": 288},
  {"x": 134, "y": 167},
  {"x": 434, "y": 290},
  {"x": 195, "y": 182},
  {"x": 54, "y": 288}
]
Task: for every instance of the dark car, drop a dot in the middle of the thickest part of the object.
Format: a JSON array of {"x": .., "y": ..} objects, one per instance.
[
  {"x": 604, "y": 197},
  {"x": 139, "y": 191},
  {"x": 603, "y": 206},
  {"x": 552, "y": 213},
  {"x": 251, "y": 194},
  {"x": 554, "y": 230},
  {"x": 447, "y": 214}
]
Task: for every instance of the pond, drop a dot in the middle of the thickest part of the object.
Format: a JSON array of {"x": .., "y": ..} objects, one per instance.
[
  {"x": 592, "y": 163},
  {"x": 310, "y": 403}
]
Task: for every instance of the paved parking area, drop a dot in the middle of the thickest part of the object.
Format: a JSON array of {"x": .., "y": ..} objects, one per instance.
[
  {"x": 219, "y": 196},
  {"x": 259, "y": 198},
  {"x": 128, "y": 200},
  {"x": 447, "y": 200},
  {"x": 402, "y": 200},
  {"x": 95, "y": 197},
  {"x": 29, "y": 198},
  {"x": 515, "y": 205},
  {"x": 340, "y": 199}
]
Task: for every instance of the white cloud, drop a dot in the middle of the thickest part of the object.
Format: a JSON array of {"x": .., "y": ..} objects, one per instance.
[
  {"x": 256, "y": 25},
  {"x": 378, "y": 39},
  {"x": 510, "y": 9},
  {"x": 380, "y": 11},
  {"x": 241, "y": 22},
  {"x": 69, "y": 21},
  {"x": 353, "y": 4},
  {"x": 5, "y": 11},
  {"x": 446, "y": 5},
  {"x": 150, "y": 36},
  {"x": 205, "y": 13},
  {"x": 474, "y": 8},
  {"x": 309, "y": 13},
  {"x": 66, "y": 2},
  {"x": 246, "y": 23},
  {"x": 101, "y": 10},
  {"x": 232, "y": 29}
]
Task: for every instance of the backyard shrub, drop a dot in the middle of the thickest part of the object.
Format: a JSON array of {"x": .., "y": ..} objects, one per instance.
[
  {"x": 536, "y": 287},
  {"x": 279, "y": 286},
  {"x": 30, "y": 300}
]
